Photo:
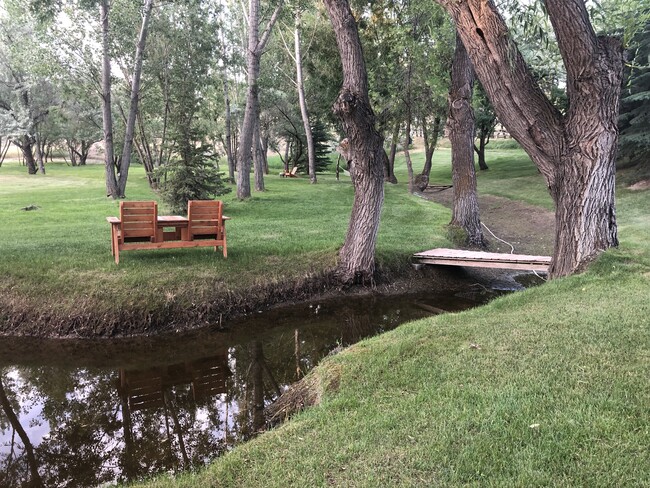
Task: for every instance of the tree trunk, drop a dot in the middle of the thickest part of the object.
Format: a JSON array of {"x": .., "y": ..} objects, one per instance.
[
  {"x": 357, "y": 256},
  {"x": 228, "y": 142},
  {"x": 107, "y": 116},
  {"x": 430, "y": 143},
  {"x": 26, "y": 148},
  {"x": 389, "y": 173},
  {"x": 258, "y": 159},
  {"x": 311, "y": 152},
  {"x": 480, "y": 152},
  {"x": 575, "y": 152},
  {"x": 135, "y": 97},
  {"x": 465, "y": 211},
  {"x": 252, "y": 111},
  {"x": 39, "y": 153}
]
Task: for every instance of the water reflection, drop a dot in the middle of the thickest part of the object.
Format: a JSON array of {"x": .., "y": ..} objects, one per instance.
[{"x": 84, "y": 413}]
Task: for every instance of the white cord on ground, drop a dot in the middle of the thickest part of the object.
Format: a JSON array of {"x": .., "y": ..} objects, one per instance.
[
  {"x": 540, "y": 277},
  {"x": 512, "y": 248}
]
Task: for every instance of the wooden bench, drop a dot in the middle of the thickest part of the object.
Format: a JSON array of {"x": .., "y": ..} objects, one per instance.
[
  {"x": 140, "y": 227},
  {"x": 290, "y": 174}
]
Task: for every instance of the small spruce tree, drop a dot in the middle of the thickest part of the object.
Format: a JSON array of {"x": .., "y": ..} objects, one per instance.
[
  {"x": 634, "y": 121},
  {"x": 192, "y": 175}
]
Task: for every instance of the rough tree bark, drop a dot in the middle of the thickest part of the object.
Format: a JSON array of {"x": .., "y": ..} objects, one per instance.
[
  {"x": 367, "y": 155},
  {"x": 107, "y": 116},
  {"x": 256, "y": 46},
  {"x": 575, "y": 152},
  {"x": 465, "y": 211},
  {"x": 125, "y": 162}
]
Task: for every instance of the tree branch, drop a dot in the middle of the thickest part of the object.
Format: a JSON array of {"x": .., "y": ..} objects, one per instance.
[{"x": 269, "y": 27}]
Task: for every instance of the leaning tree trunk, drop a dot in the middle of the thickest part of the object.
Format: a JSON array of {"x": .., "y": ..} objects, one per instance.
[
  {"x": 430, "y": 143},
  {"x": 107, "y": 116},
  {"x": 14, "y": 421},
  {"x": 465, "y": 211},
  {"x": 135, "y": 97},
  {"x": 357, "y": 256},
  {"x": 575, "y": 152}
]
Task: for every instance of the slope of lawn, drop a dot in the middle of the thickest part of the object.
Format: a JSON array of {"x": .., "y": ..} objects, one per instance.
[{"x": 546, "y": 387}]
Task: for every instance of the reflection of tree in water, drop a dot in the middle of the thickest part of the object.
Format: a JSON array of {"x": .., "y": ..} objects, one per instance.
[
  {"x": 257, "y": 386},
  {"x": 103, "y": 427},
  {"x": 17, "y": 468},
  {"x": 90, "y": 441}
]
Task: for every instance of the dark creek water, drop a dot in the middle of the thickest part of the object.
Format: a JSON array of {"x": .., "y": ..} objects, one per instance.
[{"x": 86, "y": 413}]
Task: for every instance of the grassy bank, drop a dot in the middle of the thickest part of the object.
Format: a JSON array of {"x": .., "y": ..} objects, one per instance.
[
  {"x": 547, "y": 387},
  {"x": 56, "y": 265}
]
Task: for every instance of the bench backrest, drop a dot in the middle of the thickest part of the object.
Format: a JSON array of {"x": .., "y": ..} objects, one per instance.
[
  {"x": 205, "y": 219},
  {"x": 138, "y": 221}
]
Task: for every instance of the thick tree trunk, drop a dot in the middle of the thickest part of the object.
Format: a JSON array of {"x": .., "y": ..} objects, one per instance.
[
  {"x": 357, "y": 256},
  {"x": 26, "y": 147},
  {"x": 465, "y": 211},
  {"x": 39, "y": 154},
  {"x": 135, "y": 97},
  {"x": 311, "y": 152},
  {"x": 575, "y": 152},
  {"x": 107, "y": 116},
  {"x": 251, "y": 112}
]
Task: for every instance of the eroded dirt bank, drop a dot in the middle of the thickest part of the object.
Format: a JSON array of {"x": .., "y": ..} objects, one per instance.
[{"x": 88, "y": 317}]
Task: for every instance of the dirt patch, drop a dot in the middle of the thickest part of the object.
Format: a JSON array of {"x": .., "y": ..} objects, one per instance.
[
  {"x": 529, "y": 229},
  {"x": 640, "y": 185}
]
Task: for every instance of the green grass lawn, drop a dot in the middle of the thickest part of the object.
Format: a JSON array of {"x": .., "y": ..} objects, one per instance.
[
  {"x": 547, "y": 387},
  {"x": 57, "y": 258}
]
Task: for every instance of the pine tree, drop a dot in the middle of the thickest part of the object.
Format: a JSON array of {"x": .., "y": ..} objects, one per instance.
[
  {"x": 634, "y": 121},
  {"x": 192, "y": 175}
]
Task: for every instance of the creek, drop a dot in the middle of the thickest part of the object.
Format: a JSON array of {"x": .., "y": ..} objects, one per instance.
[{"x": 95, "y": 412}]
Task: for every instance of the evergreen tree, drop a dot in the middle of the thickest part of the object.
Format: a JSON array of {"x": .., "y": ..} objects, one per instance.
[
  {"x": 193, "y": 175},
  {"x": 321, "y": 148},
  {"x": 634, "y": 121}
]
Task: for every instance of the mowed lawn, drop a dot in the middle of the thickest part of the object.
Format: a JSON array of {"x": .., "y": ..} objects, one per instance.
[
  {"x": 546, "y": 387},
  {"x": 59, "y": 253}
]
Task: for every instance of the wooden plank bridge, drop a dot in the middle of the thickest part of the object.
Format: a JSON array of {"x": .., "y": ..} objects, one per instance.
[{"x": 478, "y": 259}]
